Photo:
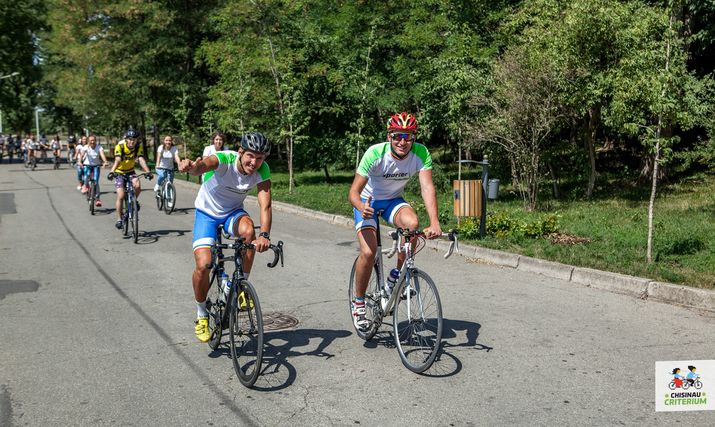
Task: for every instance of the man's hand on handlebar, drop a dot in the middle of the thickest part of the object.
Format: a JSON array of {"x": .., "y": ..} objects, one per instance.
[
  {"x": 261, "y": 244},
  {"x": 433, "y": 231}
]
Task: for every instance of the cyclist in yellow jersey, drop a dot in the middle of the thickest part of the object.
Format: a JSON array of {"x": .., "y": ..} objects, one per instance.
[{"x": 126, "y": 154}]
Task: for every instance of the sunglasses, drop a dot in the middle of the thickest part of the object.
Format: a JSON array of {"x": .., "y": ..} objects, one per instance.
[{"x": 405, "y": 136}]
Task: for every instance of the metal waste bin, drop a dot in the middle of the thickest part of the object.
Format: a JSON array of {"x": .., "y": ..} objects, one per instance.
[{"x": 493, "y": 189}]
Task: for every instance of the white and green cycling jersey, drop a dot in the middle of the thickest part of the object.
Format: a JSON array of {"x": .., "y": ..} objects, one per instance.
[
  {"x": 225, "y": 188},
  {"x": 386, "y": 175}
]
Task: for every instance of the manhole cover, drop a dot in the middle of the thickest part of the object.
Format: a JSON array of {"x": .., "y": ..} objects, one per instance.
[{"x": 275, "y": 321}]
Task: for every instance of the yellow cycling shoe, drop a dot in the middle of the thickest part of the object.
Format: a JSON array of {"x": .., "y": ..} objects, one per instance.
[
  {"x": 242, "y": 301},
  {"x": 202, "y": 329}
]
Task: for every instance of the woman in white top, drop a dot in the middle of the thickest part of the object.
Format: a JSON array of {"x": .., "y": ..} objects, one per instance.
[
  {"x": 166, "y": 158},
  {"x": 217, "y": 142},
  {"x": 92, "y": 158}
]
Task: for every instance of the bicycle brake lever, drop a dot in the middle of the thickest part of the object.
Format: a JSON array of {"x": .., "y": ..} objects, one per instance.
[{"x": 454, "y": 244}]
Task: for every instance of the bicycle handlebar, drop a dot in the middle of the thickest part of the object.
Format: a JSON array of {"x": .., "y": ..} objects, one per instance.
[
  {"x": 451, "y": 236},
  {"x": 147, "y": 175},
  {"x": 240, "y": 244}
]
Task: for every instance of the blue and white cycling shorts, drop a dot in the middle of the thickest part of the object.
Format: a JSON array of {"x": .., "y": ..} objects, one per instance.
[
  {"x": 206, "y": 227},
  {"x": 388, "y": 207}
]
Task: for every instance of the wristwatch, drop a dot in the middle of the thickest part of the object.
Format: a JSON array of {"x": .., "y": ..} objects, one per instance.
[{"x": 265, "y": 234}]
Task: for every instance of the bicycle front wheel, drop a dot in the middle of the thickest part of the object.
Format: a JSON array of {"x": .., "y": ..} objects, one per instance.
[
  {"x": 373, "y": 309},
  {"x": 92, "y": 196},
  {"x": 246, "y": 333},
  {"x": 135, "y": 220},
  {"x": 125, "y": 216},
  {"x": 169, "y": 198},
  {"x": 417, "y": 322}
]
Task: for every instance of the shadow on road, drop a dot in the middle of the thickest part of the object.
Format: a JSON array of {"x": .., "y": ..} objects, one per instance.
[
  {"x": 277, "y": 372},
  {"x": 150, "y": 237},
  {"x": 446, "y": 363}
]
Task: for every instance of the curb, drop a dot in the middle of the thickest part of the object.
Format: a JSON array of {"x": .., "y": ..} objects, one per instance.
[{"x": 638, "y": 287}]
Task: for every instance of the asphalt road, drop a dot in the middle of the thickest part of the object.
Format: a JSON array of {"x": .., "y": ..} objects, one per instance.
[{"x": 97, "y": 330}]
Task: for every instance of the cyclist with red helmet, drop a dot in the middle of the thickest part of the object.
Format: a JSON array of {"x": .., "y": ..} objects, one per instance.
[{"x": 380, "y": 178}]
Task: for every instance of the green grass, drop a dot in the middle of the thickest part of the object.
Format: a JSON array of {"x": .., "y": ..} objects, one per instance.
[{"x": 616, "y": 225}]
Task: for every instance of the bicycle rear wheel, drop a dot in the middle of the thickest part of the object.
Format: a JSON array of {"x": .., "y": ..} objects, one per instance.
[
  {"x": 246, "y": 333},
  {"x": 373, "y": 309},
  {"x": 417, "y": 322},
  {"x": 159, "y": 199},
  {"x": 217, "y": 308},
  {"x": 169, "y": 197}
]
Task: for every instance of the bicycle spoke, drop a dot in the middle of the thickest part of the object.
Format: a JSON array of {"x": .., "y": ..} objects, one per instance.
[
  {"x": 246, "y": 333},
  {"x": 418, "y": 322}
]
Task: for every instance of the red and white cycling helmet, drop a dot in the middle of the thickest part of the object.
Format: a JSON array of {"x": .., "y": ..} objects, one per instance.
[{"x": 402, "y": 122}]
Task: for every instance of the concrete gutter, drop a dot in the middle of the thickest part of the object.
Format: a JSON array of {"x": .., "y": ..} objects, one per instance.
[{"x": 639, "y": 287}]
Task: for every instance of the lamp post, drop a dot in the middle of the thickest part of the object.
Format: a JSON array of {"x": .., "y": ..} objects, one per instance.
[
  {"x": 37, "y": 123},
  {"x": 6, "y": 77}
]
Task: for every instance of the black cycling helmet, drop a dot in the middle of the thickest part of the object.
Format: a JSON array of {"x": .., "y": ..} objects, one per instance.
[
  {"x": 131, "y": 133},
  {"x": 71, "y": 138},
  {"x": 256, "y": 141}
]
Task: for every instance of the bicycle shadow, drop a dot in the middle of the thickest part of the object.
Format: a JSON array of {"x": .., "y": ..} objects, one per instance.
[
  {"x": 182, "y": 211},
  {"x": 151, "y": 237},
  {"x": 277, "y": 373},
  {"x": 446, "y": 364},
  {"x": 451, "y": 330}
]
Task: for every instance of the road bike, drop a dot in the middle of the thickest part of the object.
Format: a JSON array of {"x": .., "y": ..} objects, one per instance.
[
  {"x": 70, "y": 157},
  {"x": 31, "y": 162},
  {"x": 92, "y": 189},
  {"x": 414, "y": 301},
  {"x": 239, "y": 310},
  {"x": 130, "y": 205},
  {"x": 166, "y": 197}
]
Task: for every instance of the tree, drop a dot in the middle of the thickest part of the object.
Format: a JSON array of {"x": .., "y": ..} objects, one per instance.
[
  {"x": 21, "y": 21},
  {"x": 656, "y": 92},
  {"x": 524, "y": 111}
]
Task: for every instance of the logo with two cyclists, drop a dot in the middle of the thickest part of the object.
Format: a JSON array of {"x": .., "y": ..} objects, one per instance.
[
  {"x": 690, "y": 380},
  {"x": 685, "y": 385}
]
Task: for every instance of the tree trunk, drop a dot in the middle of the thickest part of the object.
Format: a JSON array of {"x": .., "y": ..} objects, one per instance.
[
  {"x": 327, "y": 174},
  {"x": 656, "y": 156},
  {"x": 590, "y": 143},
  {"x": 554, "y": 180}
]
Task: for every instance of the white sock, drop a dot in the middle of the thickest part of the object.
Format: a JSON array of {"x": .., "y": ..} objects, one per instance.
[
  {"x": 201, "y": 309},
  {"x": 245, "y": 275},
  {"x": 156, "y": 187}
]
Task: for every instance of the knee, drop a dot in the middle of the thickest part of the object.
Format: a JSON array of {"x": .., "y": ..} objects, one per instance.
[
  {"x": 367, "y": 252},
  {"x": 246, "y": 230},
  {"x": 408, "y": 220}
]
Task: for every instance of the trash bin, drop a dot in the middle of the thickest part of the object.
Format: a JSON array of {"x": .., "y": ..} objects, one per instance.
[
  {"x": 492, "y": 189},
  {"x": 467, "y": 197}
]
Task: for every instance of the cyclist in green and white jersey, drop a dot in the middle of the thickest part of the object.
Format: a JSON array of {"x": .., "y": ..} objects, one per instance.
[
  {"x": 228, "y": 176},
  {"x": 379, "y": 181}
]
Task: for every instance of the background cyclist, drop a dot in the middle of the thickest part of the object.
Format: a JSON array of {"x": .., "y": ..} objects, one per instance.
[
  {"x": 92, "y": 159},
  {"x": 381, "y": 177},
  {"x": 228, "y": 177},
  {"x": 167, "y": 156},
  {"x": 126, "y": 153},
  {"x": 77, "y": 156}
]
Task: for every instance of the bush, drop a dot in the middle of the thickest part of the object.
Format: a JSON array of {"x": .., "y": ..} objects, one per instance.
[
  {"x": 501, "y": 224},
  {"x": 441, "y": 180}
]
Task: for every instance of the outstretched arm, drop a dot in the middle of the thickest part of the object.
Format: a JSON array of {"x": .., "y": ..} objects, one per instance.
[{"x": 199, "y": 166}]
